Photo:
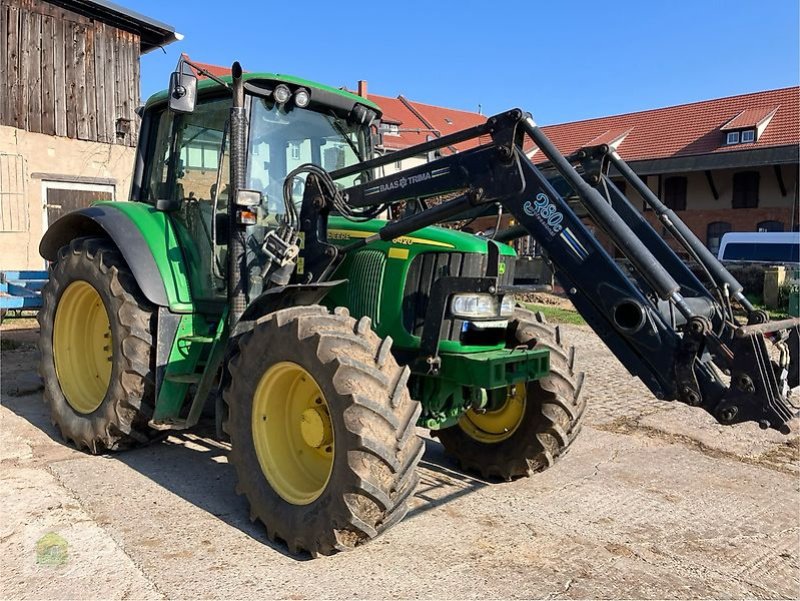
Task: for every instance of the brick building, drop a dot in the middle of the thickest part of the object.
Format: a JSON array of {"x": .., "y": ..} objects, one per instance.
[{"x": 728, "y": 164}]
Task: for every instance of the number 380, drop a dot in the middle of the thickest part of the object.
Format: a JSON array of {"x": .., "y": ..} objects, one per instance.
[{"x": 547, "y": 210}]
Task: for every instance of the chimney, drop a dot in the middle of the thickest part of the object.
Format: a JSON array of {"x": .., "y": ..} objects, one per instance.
[{"x": 362, "y": 88}]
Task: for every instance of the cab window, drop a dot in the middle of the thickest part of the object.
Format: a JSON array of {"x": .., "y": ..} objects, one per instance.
[{"x": 190, "y": 165}]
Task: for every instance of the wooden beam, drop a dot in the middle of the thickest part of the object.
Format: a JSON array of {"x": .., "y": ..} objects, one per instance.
[
  {"x": 781, "y": 183},
  {"x": 48, "y": 76},
  {"x": 34, "y": 78},
  {"x": 62, "y": 53},
  {"x": 710, "y": 179}
]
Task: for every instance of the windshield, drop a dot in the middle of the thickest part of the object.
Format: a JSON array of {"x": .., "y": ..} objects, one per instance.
[{"x": 281, "y": 141}]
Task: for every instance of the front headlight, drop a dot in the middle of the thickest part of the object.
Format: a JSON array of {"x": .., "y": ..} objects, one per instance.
[
  {"x": 481, "y": 306},
  {"x": 507, "y": 306}
]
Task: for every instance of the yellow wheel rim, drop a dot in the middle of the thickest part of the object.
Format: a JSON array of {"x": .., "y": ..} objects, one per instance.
[
  {"x": 292, "y": 433},
  {"x": 495, "y": 426},
  {"x": 82, "y": 349}
]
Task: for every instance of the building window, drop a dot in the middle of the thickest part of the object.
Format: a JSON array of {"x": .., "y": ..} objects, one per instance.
[
  {"x": 13, "y": 199},
  {"x": 748, "y": 135},
  {"x": 745, "y": 190},
  {"x": 390, "y": 129},
  {"x": 714, "y": 233},
  {"x": 398, "y": 165},
  {"x": 200, "y": 156},
  {"x": 675, "y": 193},
  {"x": 733, "y": 137},
  {"x": 769, "y": 226},
  {"x": 294, "y": 151}
]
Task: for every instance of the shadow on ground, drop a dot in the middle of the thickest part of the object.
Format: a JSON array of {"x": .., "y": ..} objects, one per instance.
[{"x": 193, "y": 465}]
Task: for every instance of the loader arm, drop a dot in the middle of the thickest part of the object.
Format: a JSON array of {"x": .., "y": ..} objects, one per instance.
[{"x": 676, "y": 334}]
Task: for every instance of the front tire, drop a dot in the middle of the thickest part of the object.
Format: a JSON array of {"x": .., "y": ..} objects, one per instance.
[
  {"x": 538, "y": 421},
  {"x": 322, "y": 429},
  {"x": 96, "y": 345}
]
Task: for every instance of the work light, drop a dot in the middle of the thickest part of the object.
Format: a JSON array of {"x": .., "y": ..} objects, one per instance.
[
  {"x": 282, "y": 93},
  {"x": 302, "y": 97}
]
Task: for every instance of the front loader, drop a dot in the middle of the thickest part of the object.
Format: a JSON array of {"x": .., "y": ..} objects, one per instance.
[{"x": 253, "y": 266}]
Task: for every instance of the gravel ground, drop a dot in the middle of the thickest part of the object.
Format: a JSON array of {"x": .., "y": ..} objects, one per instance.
[{"x": 655, "y": 500}]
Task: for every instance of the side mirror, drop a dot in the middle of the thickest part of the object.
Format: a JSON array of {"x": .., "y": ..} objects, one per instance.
[
  {"x": 182, "y": 89},
  {"x": 167, "y": 205},
  {"x": 222, "y": 228}
]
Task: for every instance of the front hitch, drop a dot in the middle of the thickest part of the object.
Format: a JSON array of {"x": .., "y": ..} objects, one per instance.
[{"x": 763, "y": 386}]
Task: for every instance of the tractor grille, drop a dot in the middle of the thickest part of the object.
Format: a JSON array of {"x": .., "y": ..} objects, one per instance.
[
  {"x": 367, "y": 269},
  {"x": 425, "y": 269}
]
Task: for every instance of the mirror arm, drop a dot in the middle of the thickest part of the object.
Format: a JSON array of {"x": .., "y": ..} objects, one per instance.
[{"x": 205, "y": 73}]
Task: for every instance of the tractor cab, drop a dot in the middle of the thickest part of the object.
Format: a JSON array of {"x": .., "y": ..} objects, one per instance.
[{"x": 183, "y": 167}]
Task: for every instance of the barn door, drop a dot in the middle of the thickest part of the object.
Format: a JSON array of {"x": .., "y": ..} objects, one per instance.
[{"x": 61, "y": 198}]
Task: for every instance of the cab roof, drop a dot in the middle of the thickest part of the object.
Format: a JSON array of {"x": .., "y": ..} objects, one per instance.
[{"x": 205, "y": 86}]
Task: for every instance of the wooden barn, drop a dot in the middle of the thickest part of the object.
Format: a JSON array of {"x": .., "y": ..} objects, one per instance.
[{"x": 69, "y": 90}]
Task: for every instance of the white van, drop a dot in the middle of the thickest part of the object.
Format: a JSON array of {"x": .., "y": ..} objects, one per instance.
[{"x": 760, "y": 247}]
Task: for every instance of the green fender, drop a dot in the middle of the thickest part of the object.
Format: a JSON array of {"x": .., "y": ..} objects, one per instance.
[{"x": 146, "y": 239}]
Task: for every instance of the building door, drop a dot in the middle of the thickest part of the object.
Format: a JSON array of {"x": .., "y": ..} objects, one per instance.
[{"x": 61, "y": 198}]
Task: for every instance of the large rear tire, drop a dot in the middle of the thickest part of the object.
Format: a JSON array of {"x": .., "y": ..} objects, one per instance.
[
  {"x": 322, "y": 429},
  {"x": 538, "y": 421},
  {"x": 96, "y": 345}
]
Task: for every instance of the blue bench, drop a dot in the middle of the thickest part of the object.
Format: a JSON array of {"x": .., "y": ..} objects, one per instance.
[{"x": 20, "y": 290}]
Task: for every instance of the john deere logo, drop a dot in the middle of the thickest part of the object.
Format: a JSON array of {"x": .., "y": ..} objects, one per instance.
[
  {"x": 51, "y": 550},
  {"x": 501, "y": 268}
]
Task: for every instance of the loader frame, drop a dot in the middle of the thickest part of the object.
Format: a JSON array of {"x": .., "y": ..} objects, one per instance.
[{"x": 678, "y": 335}]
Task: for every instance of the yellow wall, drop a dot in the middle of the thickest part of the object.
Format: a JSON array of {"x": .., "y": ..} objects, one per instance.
[{"x": 57, "y": 157}]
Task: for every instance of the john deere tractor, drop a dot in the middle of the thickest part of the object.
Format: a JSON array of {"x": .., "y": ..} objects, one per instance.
[{"x": 266, "y": 261}]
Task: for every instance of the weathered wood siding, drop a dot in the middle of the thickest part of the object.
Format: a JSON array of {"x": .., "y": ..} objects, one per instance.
[{"x": 68, "y": 75}]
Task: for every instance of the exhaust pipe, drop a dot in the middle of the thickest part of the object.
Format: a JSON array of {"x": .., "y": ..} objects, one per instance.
[{"x": 237, "y": 256}]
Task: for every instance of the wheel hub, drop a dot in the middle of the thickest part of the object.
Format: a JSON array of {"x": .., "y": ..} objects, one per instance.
[
  {"x": 82, "y": 349},
  {"x": 315, "y": 426},
  {"x": 497, "y": 424},
  {"x": 292, "y": 433}
]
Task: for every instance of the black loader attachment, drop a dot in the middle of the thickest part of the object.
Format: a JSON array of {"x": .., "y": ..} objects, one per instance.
[{"x": 676, "y": 333}]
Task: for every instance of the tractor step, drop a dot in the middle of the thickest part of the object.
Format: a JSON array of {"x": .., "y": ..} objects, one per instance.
[
  {"x": 183, "y": 378},
  {"x": 167, "y": 424},
  {"x": 198, "y": 338}
]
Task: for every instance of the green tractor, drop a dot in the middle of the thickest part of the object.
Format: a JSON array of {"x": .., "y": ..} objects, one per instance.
[{"x": 254, "y": 266}]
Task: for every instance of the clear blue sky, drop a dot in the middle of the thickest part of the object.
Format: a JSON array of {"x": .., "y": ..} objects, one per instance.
[{"x": 561, "y": 60}]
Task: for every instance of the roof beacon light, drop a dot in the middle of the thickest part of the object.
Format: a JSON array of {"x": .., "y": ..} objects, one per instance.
[
  {"x": 282, "y": 93},
  {"x": 302, "y": 97}
]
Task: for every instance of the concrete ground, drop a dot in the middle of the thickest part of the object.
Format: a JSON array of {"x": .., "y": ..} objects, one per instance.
[{"x": 653, "y": 501}]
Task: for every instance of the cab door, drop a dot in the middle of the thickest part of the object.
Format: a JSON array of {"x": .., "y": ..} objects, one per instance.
[{"x": 190, "y": 165}]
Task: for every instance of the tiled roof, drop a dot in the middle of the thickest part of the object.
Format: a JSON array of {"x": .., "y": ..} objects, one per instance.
[
  {"x": 687, "y": 129},
  {"x": 750, "y": 118},
  {"x": 412, "y": 129},
  {"x": 213, "y": 69},
  {"x": 610, "y": 136},
  {"x": 683, "y": 130},
  {"x": 417, "y": 122},
  {"x": 447, "y": 121}
]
